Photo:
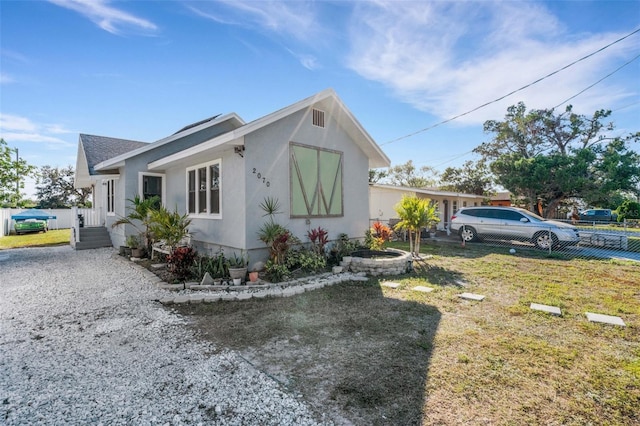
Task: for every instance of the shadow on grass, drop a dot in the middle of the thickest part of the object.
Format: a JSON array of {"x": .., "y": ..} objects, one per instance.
[{"x": 355, "y": 355}]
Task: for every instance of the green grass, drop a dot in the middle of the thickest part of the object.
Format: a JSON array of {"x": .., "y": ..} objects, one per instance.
[
  {"x": 50, "y": 238},
  {"x": 376, "y": 355}
]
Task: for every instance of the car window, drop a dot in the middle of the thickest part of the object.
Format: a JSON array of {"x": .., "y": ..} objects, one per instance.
[{"x": 508, "y": 215}]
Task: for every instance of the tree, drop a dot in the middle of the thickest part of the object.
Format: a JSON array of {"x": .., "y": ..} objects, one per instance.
[
  {"x": 541, "y": 155},
  {"x": 377, "y": 175},
  {"x": 55, "y": 188},
  {"x": 471, "y": 178},
  {"x": 415, "y": 213},
  {"x": 407, "y": 175},
  {"x": 13, "y": 172}
]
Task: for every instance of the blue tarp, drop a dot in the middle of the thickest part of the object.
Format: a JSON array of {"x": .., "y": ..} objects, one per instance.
[{"x": 33, "y": 214}]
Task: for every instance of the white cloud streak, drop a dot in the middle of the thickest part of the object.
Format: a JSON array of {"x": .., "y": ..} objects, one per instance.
[
  {"x": 106, "y": 17},
  {"x": 447, "y": 58},
  {"x": 294, "y": 22},
  {"x": 14, "y": 128}
]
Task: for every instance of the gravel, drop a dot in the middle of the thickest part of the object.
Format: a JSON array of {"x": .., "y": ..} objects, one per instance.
[{"x": 83, "y": 340}]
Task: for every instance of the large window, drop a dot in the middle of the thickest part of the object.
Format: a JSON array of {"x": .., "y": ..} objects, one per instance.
[
  {"x": 316, "y": 182},
  {"x": 152, "y": 185},
  {"x": 204, "y": 189},
  {"x": 111, "y": 196}
]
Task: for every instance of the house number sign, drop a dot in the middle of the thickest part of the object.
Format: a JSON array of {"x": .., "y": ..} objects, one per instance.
[{"x": 262, "y": 178}]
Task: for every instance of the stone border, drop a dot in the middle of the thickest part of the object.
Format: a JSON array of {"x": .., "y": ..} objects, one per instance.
[
  {"x": 214, "y": 293},
  {"x": 382, "y": 266}
]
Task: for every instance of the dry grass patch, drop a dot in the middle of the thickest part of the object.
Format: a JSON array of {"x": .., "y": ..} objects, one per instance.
[{"x": 368, "y": 354}]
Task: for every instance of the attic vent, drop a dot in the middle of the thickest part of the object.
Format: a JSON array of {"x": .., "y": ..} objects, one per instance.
[{"x": 318, "y": 118}]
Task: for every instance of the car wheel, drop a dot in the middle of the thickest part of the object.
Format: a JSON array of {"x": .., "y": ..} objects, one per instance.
[
  {"x": 543, "y": 241},
  {"x": 468, "y": 234}
]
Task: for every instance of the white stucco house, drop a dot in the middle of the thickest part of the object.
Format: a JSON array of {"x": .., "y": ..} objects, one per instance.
[
  {"x": 312, "y": 156},
  {"x": 383, "y": 198}
]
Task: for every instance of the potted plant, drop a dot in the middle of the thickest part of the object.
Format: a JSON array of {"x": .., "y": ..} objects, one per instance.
[
  {"x": 238, "y": 266},
  {"x": 133, "y": 242}
]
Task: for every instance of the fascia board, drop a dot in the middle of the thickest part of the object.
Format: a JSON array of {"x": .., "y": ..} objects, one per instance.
[{"x": 119, "y": 160}]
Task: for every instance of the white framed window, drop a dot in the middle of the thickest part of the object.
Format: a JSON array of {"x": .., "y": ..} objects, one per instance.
[
  {"x": 204, "y": 190},
  {"x": 111, "y": 197},
  {"x": 151, "y": 185}
]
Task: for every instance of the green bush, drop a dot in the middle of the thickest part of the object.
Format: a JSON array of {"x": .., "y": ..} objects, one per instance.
[{"x": 628, "y": 210}]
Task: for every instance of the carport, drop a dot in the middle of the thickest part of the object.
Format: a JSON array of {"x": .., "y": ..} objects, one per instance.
[{"x": 35, "y": 214}]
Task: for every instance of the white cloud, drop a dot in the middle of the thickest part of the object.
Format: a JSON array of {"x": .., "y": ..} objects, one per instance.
[
  {"x": 447, "y": 58},
  {"x": 293, "y": 19},
  {"x": 106, "y": 17},
  {"x": 14, "y": 128},
  {"x": 6, "y": 78}
]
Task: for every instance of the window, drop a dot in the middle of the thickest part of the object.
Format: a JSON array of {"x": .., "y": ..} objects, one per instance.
[
  {"x": 464, "y": 204},
  {"x": 316, "y": 181},
  {"x": 203, "y": 189},
  {"x": 152, "y": 185},
  {"x": 111, "y": 189},
  {"x": 318, "y": 118}
]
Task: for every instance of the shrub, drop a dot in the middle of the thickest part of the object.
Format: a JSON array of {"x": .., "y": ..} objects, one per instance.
[
  {"x": 319, "y": 239},
  {"x": 276, "y": 272},
  {"x": 305, "y": 260},
  {"x": 181, "y": 261},
  {"x": 214, "y": 265},
  {"x": 377, "y": 236},
  {"x": 628, "y": 210}
]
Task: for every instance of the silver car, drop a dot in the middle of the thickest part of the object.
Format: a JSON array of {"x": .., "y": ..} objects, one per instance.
[{"x": 512, "y": 223}]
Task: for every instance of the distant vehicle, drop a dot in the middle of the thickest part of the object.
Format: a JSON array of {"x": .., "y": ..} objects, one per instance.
[
  {"x": 599, "y": 215},
  {"x": 30, "y": 225},
  {"x": 512, "y": 223}
]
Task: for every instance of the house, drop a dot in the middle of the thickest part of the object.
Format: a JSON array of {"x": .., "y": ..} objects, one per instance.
[
  {"x": 502, "y": 198},
  {"x": 312, "y": 156},
  {"x": 383, "y": 198}
]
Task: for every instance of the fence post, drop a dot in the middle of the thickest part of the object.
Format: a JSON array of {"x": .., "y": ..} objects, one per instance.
[{"x": 76, "y": 223}]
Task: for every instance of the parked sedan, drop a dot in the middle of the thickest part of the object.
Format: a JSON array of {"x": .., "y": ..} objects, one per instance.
[
  {"x": 512, "y": 223},
  {"x": 30, "y": 225}
]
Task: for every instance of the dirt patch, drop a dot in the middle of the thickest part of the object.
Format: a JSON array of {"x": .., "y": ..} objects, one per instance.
[{"x": 354, "y": 355}]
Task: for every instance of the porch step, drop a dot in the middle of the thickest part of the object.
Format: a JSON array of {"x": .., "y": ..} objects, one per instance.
[{"x": 93, "y": 237}]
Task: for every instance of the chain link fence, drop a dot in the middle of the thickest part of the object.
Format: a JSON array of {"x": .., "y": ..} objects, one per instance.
[{"x": 589, "y": 240}]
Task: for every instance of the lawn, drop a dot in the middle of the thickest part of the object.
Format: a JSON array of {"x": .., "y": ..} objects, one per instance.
[
  {"x": 368, "y": 354},
  {"x": 50, "y": 238}
]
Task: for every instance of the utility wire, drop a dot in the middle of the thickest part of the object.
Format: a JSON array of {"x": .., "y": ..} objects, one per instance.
[
  {"x": 514, "y": 91},
  {"x": 589, "y": 87}
]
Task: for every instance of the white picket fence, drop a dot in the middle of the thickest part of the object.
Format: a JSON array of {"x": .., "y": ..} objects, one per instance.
[{"x": 65, "y": 218}]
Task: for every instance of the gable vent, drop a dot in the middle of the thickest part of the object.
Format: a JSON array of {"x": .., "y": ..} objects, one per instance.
[{"x": 318, "y": 118}]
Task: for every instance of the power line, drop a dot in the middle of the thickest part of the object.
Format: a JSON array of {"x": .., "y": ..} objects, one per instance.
[
  {"x": 589, "y": 87},
  {"x": 514, "y": 91}
]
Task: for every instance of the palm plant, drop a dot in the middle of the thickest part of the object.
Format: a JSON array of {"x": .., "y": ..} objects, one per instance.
[
  {"x": 415, "y": 213},
  {"x": 169, "y": 226},
  {"x": 140, "y": 215}
]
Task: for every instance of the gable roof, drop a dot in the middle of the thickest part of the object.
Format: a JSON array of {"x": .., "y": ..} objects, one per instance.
[
  {"x": 93, "y": 150},
  {"x": 327, "y": 99},
  {"x": 101, "y": 148},
  {"x": 118, "y": 161}
]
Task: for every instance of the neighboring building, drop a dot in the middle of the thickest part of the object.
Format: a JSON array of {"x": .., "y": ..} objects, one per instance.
[
  {"x": 501, "y": 199},
  {"x": 383, "y": 198},
  {"x": 313, "y": 156}
]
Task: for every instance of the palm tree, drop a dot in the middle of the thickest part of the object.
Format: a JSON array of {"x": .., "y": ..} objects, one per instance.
[
  {"x": 415, "y": 213},
  {"x": 140, "y": 212}
]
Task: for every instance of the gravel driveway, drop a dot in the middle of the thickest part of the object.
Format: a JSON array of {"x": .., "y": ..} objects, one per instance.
[{"x": 83, "y": 341}]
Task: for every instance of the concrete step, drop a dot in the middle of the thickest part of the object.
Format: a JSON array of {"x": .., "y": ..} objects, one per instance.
[{"x": 93, "y": 237}]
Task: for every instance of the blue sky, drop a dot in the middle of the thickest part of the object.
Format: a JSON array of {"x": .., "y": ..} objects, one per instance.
[{"x": 144, "y": 69}]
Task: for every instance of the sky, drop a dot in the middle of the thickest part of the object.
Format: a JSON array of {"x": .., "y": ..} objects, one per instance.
[{"x": 144, "y": 69}]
